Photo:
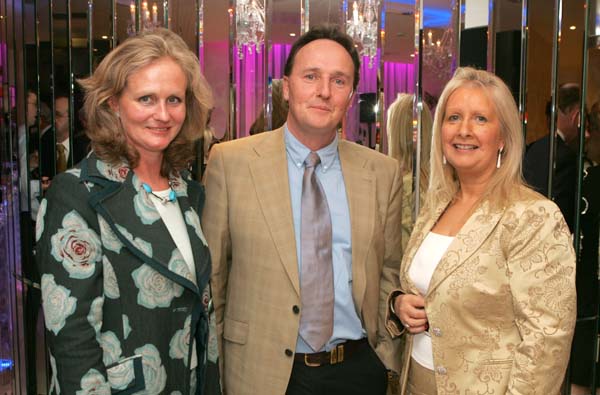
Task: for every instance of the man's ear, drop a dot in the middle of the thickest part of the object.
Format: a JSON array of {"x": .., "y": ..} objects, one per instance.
[
  {"x": 576, "y": 117},
  {"x": 285, "y": 88}
]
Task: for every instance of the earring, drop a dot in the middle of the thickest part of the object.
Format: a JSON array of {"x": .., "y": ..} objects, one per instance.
[
  {"x": 499, "y": 161},
  {"x": 444, "y": 161},
  {"x": 118, "y": 114}
]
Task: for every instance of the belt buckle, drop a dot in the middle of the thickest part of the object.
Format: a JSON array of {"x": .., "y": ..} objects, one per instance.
[
  {"x": 311, "y": 364},
  {"x": 337, "y": 354}
]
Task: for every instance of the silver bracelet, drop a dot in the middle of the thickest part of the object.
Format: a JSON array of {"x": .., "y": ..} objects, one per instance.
[{"x": 392, "y": 304}]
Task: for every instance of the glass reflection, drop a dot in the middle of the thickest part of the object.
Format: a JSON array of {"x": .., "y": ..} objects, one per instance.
[
  {"x": 584, "y": 365},
  {"x": 100, "y": 33},
  {"x": 398, "y": 57},
  {"x": 438, "y": 55},
  {"x": 65, "y": 45},
  {"x": 401, "y": 138}
]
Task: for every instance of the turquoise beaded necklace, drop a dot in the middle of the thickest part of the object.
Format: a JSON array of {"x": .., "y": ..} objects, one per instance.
[{"x": 163, "y": 200}]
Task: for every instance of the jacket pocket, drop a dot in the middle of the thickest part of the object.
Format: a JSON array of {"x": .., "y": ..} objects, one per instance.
[
  {"x": 507, "y": 362},
  {"x": 235, "y": 331},
  {"x": 126, "y": 376}
]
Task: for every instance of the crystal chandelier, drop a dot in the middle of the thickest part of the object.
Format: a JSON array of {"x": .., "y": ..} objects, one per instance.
[
  {"x": 148, "y": 21},
  {"x": 362, "y": 27},
  {"x": 437, "y": 53},
  {"x": 249, "y": 26}
]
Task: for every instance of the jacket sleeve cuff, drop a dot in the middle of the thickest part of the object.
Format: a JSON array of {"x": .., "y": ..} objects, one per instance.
[{"x": 392, "y": 322}]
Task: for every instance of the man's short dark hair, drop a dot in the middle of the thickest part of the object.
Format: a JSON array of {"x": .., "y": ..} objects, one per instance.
[
  {"x": 569, "y": 95},
  {"x": 327, "y": 32}
]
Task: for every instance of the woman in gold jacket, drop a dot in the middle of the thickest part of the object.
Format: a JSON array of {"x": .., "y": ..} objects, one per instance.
[{"x": 487, "y": 293}]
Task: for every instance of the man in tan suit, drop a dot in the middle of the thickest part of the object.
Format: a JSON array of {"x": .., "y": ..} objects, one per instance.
[{"x": 254, "y": 228}]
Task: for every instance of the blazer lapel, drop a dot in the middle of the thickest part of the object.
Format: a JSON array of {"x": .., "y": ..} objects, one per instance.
[
  {"x": 468, "y": 240},
  {"x": 191, "y": 205},
  {"x": 114, "y": 204},
  {"x": 361, "y": 194},
  {"x": 270, "y": 178}
]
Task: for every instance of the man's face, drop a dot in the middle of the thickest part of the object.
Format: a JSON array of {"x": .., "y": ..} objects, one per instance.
[
  {"x": 592, "y": 143},
  {"x": 61, "y": 117},
  {"x": 31, "y": 108},
  {"x": 568, "y": 124},
  {"x": 318, "y": 89}
]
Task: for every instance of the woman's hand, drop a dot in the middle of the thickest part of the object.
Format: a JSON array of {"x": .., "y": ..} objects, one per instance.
[{"x": 410, "y": 309}]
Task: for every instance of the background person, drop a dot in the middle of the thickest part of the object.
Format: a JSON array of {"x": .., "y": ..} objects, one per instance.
[
  {"x": 401, "y": 135},
  {"x": 55, "y": 144},
  {"x": 487, "y": 290},
  {"x": 592, "y": 144},
  {"x": 535, "y": 165},
  {"x": 583, "y": 353},
  {"x": 279, "y": 113},
  {"x": 121, "y": 252},
  {"x": 26, "y": 135}
]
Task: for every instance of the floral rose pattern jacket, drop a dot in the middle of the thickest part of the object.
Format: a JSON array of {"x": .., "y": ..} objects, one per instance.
[
  {"x": 119, "y": 301},
  {"x": 501, "y": 303}
]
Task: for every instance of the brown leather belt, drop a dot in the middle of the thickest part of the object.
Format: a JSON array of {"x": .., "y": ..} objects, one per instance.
[{"x": 338, "y": 354}]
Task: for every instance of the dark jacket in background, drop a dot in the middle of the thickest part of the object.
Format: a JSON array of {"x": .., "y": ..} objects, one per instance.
[
  {"x": 535, "y": 171},
  {"x": 79, "y": 149},
  {"x": 583, "y": 351}
]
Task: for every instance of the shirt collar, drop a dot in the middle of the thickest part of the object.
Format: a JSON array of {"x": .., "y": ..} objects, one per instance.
[
  {"x": 298, "y": 152},
  {"x": 65, "y": 143}
]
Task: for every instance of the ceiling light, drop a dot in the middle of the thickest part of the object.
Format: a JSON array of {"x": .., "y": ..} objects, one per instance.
[
  {"x": 362, "y": 26},
  {"x": 249, "y": 26}
]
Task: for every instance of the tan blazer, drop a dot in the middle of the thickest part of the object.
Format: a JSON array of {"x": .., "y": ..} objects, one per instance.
[
  {"x": 501, "y": 304},
  {"x": 249, "y": 228}
]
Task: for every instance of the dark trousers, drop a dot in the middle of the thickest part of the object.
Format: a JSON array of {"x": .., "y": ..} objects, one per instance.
[{"x": 361, "y": 374}]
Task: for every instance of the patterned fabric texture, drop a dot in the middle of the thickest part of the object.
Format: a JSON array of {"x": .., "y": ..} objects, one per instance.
[
  {"x": 121, "y": 312},
  {"x": 501, "y": 304}
]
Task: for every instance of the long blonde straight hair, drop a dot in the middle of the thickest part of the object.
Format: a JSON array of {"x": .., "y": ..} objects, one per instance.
[{"x": 443, "y": 181}]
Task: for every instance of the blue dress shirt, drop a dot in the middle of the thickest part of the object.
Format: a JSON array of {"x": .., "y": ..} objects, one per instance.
[{"x": 346, "y": 323}]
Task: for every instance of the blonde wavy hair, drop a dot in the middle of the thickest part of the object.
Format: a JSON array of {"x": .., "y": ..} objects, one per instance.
[
  {"x": 443, "y": 182},
  {"x": 400, "y": 135},
  {"x": 105, "y": 131}
]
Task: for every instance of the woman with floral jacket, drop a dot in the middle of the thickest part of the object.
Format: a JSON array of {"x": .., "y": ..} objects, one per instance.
[{"x": 124, "y": 263}]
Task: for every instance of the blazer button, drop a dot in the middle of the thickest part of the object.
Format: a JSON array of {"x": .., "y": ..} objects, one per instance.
[
  {"x": 437, "y": 332},
  {"x": 296, "y": 309},
  {"x": 441, "y": 370},
  {"x": 289, "y": 352}
]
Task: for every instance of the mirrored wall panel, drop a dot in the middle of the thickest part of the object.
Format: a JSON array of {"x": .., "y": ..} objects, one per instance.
[{"x": 546, "y": 51}]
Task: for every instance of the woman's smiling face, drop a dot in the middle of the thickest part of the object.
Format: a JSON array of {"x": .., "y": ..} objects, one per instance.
[
  {"x": 152, "y": 106},
  {"x": 471, "y": 135}
]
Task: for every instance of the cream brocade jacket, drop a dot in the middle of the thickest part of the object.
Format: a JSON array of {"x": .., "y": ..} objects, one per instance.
[{"x": 501, "y": 303}]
